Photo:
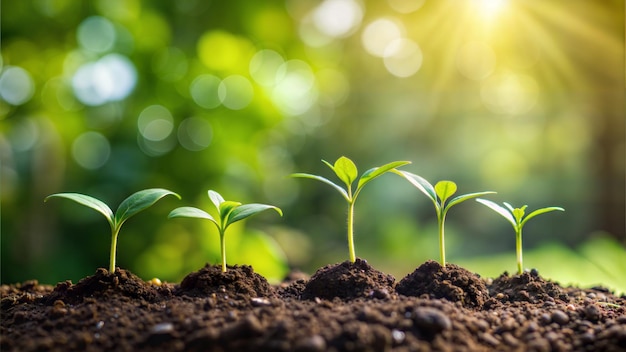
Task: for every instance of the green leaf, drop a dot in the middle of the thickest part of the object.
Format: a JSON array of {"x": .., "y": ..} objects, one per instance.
[
  {"x": 465, "y": 197},
  {"x": 190, "y": 212},
  {"x": 540, "y": 211},
  {"x": 89, "y": 202},
  {"x": 216, "y": 199},
  {"x": 325, "y": 180},
  {"x": 243, "y": 211},
  {"x": 139, "y": 201},
  {"x": 445, "y": 189},
  {"x": 509, "y": 206},
  {"x": 420, "y": 183},
  {"x": 377, "y": 171},
  {"x": 518, "y": 213},
  {"x": 498, "y": 209},
  {"x": 225, "y": 209},
  {"x": 346, "y": 170}
]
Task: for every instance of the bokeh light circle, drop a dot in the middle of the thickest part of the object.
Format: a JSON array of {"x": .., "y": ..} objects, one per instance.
[
  {"x": 91, "y": 150},
  {"x": 379, "y": 33},
  {"x": 203, "y": 91},
  {"x": 195, "y": 134},
  {"x": 112, "y": 78},
  {"x": 337, "y": 18},
  {"x": 264, "y": 67},
  {"x": 16, "y": 85},
  {"x": 235, "y": 92},
  {"x": 295, "y": 92},
  {"x": 96, "y": 34},
  {"x": 403, "y": 57},
  {"x": 155, "y": 123}
]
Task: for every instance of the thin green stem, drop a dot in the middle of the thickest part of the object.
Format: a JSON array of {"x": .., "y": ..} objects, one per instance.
[
  {"x": 442, "y": 245},
  {"x": 351, "y": 232},
  {"x": 518, "y": 249},
  {"x": 223, "y": 250},
  {"x": 114, "y": 234}
]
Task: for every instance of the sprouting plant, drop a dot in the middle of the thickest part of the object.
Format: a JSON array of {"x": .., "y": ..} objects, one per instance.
[
  {"x": 228, "y": 212},
  {"x": 440, "y": 195},
  {"x": 346, "y": 171},
  {"x": 516, "y": 217},
  {"x": 132, "y": 205}
]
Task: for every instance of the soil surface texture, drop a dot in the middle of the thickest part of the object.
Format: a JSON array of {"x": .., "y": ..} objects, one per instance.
[{"x": 342, "y": 307}]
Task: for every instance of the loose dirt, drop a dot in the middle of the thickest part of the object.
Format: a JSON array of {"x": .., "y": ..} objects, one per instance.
[{"x": 342, "y": 307}]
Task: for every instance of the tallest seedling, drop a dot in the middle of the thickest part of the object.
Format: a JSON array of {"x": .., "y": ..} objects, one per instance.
[{"x": 347, "y": 172}]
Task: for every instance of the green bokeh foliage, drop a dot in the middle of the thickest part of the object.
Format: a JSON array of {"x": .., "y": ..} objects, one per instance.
[{"x": 328, "y": 99}]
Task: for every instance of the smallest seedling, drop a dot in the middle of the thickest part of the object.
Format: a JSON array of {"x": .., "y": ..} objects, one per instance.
[
  {"x": 229, "y": 212},
  {"x": 516, "y": 217}
]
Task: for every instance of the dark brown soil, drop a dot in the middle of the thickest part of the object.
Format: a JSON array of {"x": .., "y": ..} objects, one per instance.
[
  {"x": 450, "y": 282},
  {"x": 343, "y": 307}
]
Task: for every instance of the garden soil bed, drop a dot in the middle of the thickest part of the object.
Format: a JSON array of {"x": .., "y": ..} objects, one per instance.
[{"x": 342, "y": 307}]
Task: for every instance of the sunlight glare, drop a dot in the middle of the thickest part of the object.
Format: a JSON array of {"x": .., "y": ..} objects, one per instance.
[
  {"x": 476, "y": 60},
  {"x": 509, "y": 93},
  {"x": 490, "y": 8}
]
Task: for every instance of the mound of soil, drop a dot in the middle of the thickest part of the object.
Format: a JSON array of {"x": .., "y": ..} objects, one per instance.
[
  {"x": 343, "y": 307},
  {"x": 528, "y": 286},
  {"x": 101, "y": 285},
  {"x": 237, "y": 280},
  {"x": 348, "y": 281},
  {"x": 450, "y": 282}
]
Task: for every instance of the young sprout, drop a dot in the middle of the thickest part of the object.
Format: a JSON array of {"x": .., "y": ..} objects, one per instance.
[
  {"x": 516, "y": 217},
  {"x": 347, "y": 172},
  {"x": 228, "y": 212},
  {"x": 130, "y": 206},
  {"x": 440, "y": 195}
]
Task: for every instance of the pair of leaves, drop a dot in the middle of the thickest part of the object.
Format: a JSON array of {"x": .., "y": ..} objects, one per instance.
[
  {"x": 441, "y": 192},
  {"x": 229, "y": 211},
  {"x": 346, "y": 171},
  {"x": 132, "y": 205},
  {"x": 516, "y": 215}
]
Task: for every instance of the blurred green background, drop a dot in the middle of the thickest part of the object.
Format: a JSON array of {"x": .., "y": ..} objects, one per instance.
[{"x": 105, "y": 98}]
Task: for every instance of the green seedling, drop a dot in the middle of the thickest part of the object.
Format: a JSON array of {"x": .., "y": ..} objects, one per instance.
[
  {"x": 440, "y": 195},
  {"x": 516, "y": 217},
  {"x": 130, "y": 206},
  {"x": 229, "y": 212},
  {"x": 347, "y": 172}
]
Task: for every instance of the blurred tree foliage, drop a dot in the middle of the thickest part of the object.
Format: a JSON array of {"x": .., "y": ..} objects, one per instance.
[{"x": 109, "y": 97}]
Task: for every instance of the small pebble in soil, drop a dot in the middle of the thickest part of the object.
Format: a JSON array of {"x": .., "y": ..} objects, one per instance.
[
  {"x": 155, "y": 281},
  {"x": 260, "y": 302},
  {"x": 397, "y": 336},
  {"x": 593, "y": 313},
  {"x": 379, "y": 293},
  {"x": 314, "y": 343},
  {"x": 431, "y": 320},
  {"x": 162, "y": 328},
  {"x": 559, "y": 317}
]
